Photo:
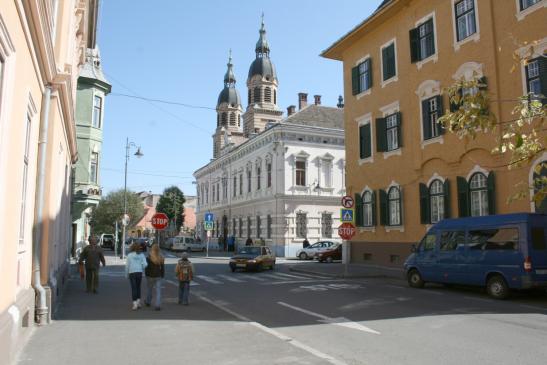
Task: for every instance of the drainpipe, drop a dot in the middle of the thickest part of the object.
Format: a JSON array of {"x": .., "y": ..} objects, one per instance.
[{"x": 41, "y": 305}]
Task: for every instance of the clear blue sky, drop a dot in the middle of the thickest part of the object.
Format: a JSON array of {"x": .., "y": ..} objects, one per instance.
[{"x": 177, "y": 51}]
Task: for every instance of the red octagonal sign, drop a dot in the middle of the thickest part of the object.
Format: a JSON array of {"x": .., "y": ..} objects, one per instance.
[
  {"x": 160, "y": 221},
  {"x": 346, "y": 231}
]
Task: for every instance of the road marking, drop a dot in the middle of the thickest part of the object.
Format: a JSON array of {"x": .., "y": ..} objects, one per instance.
[
  {"x": 299, "y": 276},
  {"x": 229, "y": 278},
  {"x": 251, "y": 276},
  {"x": 340, "y": 321},
  {"x": 279, "y": 335},
  {"x": 208, "y": 279},
  {"x": 301, "y": 281},
  {"x": 396, "y": 286},
  {"x": 192, "y": 283}
]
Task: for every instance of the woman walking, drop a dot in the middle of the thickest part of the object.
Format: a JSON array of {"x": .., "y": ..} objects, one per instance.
[
  {"x": 134, "y": 267},
  {"x": 155, "y": 272}
]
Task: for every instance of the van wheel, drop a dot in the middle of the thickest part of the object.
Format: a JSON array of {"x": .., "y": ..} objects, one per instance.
[
  {"x": 303, "y": 256},
  {"x": 415, "y": 279},
  {"x": 497, "y": 287}
]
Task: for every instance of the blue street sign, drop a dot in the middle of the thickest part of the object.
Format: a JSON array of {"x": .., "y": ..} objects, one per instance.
[
  {"x": 208, "y": 226},
  {"x": 209, "y": 217},
  {"x": 347, "y": 215}
]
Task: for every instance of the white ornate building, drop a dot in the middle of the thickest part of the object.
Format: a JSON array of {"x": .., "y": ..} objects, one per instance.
[{"x": 276, "y": 179}]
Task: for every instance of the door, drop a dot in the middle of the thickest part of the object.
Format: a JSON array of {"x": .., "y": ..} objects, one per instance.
[
  {"x": 538, "y": 251},
  {"x": 426, "y": 257},
  {"x": 451, "y": 257}
]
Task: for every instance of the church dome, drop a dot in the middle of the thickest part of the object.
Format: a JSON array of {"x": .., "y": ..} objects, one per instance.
[
  {"x": 264, "y": 67},
  {"x": 229, "y": 95}
]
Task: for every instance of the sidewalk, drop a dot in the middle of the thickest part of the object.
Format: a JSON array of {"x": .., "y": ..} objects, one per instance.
[{"x": 338, "y": 270}]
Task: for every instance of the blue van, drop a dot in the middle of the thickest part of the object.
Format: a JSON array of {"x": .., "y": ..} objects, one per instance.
[{"x": 500, "y": 252}]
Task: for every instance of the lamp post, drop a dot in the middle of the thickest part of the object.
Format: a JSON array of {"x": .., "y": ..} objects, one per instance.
[{"x": 125, "y": 221}]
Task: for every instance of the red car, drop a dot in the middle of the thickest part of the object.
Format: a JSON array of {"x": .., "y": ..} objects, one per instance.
[{"x": 331, "y": 254}]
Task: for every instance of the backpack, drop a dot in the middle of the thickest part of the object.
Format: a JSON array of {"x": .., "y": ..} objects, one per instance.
[{"x": 184, "y": 271}]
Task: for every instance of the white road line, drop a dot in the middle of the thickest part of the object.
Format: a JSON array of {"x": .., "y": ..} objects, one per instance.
[
  {"x": 340, "y": 321},
  {"x": 279, "y": 335},
  {"x": 299, "y": 276},
  {"x": 396, "y": 286},
  {"x": 208, "y": 279},
  {"x": 300, "y": 281},
  {"x": 253, "y": 277},
  {"x": 230, "y": 278},
  {"x": 192, "y": 283}
]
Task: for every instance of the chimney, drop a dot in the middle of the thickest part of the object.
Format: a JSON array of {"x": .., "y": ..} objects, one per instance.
[
  {"x": 291, "y": 110},
  {"x": 302, "y": 100},
  {"x": 317, "y": 99}
]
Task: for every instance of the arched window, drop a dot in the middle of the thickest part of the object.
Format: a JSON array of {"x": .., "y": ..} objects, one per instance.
[
  {"x": 478, "y": 188},
  {"x": 394, "y": 206},
  {"x": 233, "y": 119},
  {"x": 224, "y": 119},
  {"x": 367, "y": 209},
  {"x": 257, "y": 95},
  {"x": 436, "y": 197},
  {"x": 267, "y": 95},
  {"x": 239, "y": 120},
  {"x": 249, "y": 97},
  {"x": 275, "y": 96},
  {"x": 540, "y": 176}
]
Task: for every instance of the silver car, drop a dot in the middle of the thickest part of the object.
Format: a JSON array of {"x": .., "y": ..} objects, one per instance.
[{"x": 310, "y": 251}]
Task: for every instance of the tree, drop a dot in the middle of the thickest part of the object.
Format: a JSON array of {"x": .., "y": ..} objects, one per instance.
[
  {"x": 172, "y": 204},
  {"x": 521, "y": 139},
  {"x": 110, "y": 210}
]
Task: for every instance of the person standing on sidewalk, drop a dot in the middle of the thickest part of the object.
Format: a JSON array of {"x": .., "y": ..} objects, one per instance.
[
  {"x": 185, "y": 273},
  {"x": 134, "y": 267},
  {"x": 155, "y": 272},
  {"x": 93, "y": 257}
]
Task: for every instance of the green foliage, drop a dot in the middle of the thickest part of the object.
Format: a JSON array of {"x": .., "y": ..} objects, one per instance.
[
  {"x": 110, "y": 209},
  {"x": 172, "y": 204}
]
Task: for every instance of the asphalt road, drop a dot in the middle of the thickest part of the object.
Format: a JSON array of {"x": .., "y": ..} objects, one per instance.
[{"x": 282, "y": 317}]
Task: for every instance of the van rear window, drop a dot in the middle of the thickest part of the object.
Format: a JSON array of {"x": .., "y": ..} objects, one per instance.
[
  {"x": 494, "y": 239},
  {"x": 538, "y": 239}
]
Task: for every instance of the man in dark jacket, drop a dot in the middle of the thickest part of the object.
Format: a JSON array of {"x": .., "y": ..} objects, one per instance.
[
  {"x": 306, "y": 243},
  {"x": 93, "y": 257}
]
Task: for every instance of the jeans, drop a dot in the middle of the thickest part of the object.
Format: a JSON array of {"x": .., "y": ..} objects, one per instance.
[
  {"x": 184, "y": 290},
  {"x": 150, "y": 284},
  {"x": 135, "y": 279},
  {"x": 91, "y": 279}
]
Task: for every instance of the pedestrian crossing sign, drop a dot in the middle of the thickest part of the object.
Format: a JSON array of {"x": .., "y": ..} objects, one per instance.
[
  {"x": 347, "y": 215},
  {"x": 208, "y": 226}
]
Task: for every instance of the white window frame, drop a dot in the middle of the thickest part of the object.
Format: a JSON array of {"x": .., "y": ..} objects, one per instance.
[
  {"x": 394, "y": 78},
  {"x": 521, "y": 14},
  {"x": 28, "y": 152},
  {"x": 541, "y": 158},
  {"x": 435, "y": 56},
  {"x": 101, "y": 110},
  {"x": 386, "y": 110},
  {"x": 369, "y": 90},
  {"x": 361, "y": 121},
  {"x": 525, "y": 52},
  {"x": 96, "y": 180},
  {"x": 401, "y": 227},
  {"x": 475, "y": 37},
  {"x": 427, "y": 90}
]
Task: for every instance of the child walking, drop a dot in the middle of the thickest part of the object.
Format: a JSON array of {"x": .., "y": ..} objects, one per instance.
[{"x": 185, "y": 273}]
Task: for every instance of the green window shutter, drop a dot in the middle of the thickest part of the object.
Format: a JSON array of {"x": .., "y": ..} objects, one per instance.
[
  {"x": 369, "y": 68},
  {"x": 431, "y": 40},
  {"x": 374, "y": 222},
  {"x": 383, "y": 208},
  {"x": 385, "y": 72},
  {"x": 414, "y": 45},
  {"x": 362, "y": 141},
  {"x": 367, "y": 141},
  {"x": 543, "y": 76},
  {"x": 358, "y": 210},
  {"x": 355, "y": 80},
  {"x": 463, "y": 197},
  {"x": 483, "y": 80},
  {"x": 401, "y": 205},
  {"x": 446, "y": 189},
  {"x": 425, "y": 214},
  {"x": 440, "y": 113},
  {"x": 491, "y": 193},
  {"x": 390, "y": 57},
  {"x": 425, "y": 120},
  {"x": 399, "y": 131},
  {"x": 455, "y": 106},
  {"x": 381, "y": 135}
]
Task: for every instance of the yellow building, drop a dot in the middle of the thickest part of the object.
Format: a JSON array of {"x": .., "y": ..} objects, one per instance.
[
  {"x": 42, "y": 48},
  {"x": 404, "y": 171}
]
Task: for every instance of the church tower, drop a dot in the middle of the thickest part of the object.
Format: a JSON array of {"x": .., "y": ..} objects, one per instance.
[
  {"x": 262, "y": 86},
  {"x": 229, "y": 130}
]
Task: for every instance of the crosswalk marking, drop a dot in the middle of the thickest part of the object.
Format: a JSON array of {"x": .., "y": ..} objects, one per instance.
[
  {"x": 229, "y": 278},
  {"x": 208, "y": 279},
  {"x": 253, "y": 277},
  {"x": 291, "y": 276}
]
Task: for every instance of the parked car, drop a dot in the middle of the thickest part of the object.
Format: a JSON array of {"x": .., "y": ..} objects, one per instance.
[
  {"x": 310, "y": 251},
  {"x": 499, "y": 252},
  {"x": 330, "y": 254},
  {"x": 107, "y": 240},
  {"x": 186, "y": 243},
  {"x": 167, "y": 244},
  {"x": 253, "y": 258}
]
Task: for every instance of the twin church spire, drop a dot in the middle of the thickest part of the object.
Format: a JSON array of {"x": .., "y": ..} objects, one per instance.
[{"x": 262, "y": 106}]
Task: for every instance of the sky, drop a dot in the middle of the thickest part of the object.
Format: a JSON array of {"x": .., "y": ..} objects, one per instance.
[{"x": 177, "y": 50}]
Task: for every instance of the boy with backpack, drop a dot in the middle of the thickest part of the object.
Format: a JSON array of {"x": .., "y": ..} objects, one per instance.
[{"x": 185, "y": 273}]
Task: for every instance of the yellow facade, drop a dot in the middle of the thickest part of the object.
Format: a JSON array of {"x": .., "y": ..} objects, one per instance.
[
  {"x": 501, "y": 28},
  {"x": 42, "y": 47}
]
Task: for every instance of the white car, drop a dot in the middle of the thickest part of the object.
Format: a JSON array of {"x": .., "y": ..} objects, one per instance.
[
  {"x": 310, "y": 251},
  {"x": 186, "y": 243}
]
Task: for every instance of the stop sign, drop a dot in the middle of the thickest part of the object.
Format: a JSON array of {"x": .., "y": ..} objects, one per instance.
[
  {"x": 346, "y": 231},
  {"x": 160, "y": 221}
]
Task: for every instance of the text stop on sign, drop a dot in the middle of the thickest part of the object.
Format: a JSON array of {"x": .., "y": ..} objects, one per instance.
[
  {"x": 159, "y": 221},
  {"x": 346, "y": 231}
]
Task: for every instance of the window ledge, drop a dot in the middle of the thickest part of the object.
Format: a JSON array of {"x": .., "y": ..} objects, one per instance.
[
  {"x": 395, "y": 228},
  {"x": 438, "y": 139},
  {"x": 524, "y": 13},
  {"x": 300, "y": 188},
  {"x": 363, "y": 93},
  {"x": 331, "y": 189},
  {"x": 474, "y": 37},
  {"x": 363, "y": 161},
  {"x": 434, "y": 57},
  {"x": 396, "y": 152},
  {"x": 366, "y": 229},
  {"x": 390, "y": 80}
]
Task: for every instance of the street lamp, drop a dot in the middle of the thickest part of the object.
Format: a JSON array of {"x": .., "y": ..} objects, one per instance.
[{"x": 125, "y": 221}]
